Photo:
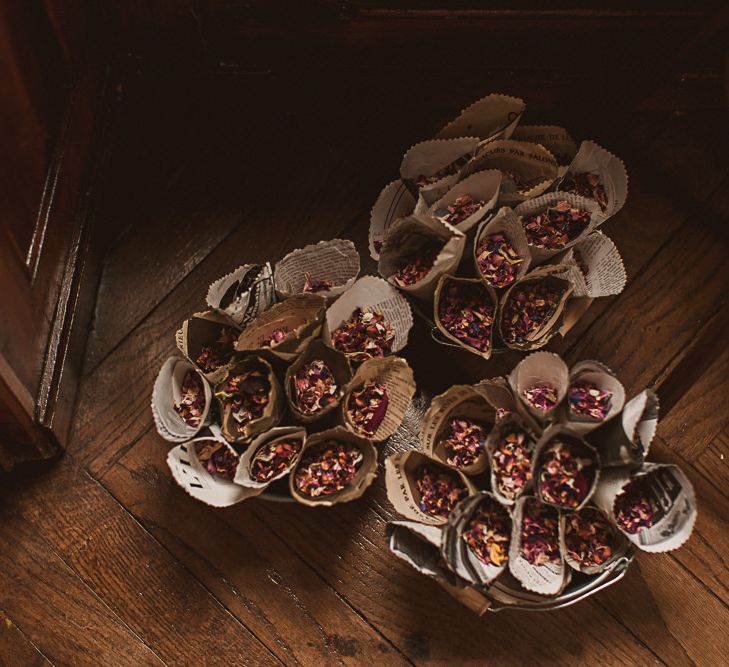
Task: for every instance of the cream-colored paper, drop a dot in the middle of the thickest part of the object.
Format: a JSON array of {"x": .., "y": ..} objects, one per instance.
[
  {"x": 505, "y": 222},
  {"x": 204, "y": 329},
  {"x": 335, "y": 261},
  {"x": 670, "y": 491},
  {"x": 481, "y": 186},
  {"x": 407, "y": 238},
  {"x": 498, "y": 394},
  {"x": 600, "y": 375},
  {"x": 458, "y": 401},
  {"x": 244, "y": 293},
  {"x": 378, "y": 294},
  {"x": 554, "y": 138},
  {"x": 394, "y": 202},
  {"x": 539, "y": 368},
  {"x": 397, "y": 377},
  {"x": 492, "y": 117},
  {"x": 364, "y": 477},
  {"x": 402, "y": 491},
  {"x": 596, "y": 267},
  {"x": 300, "y": 317},
  {"x": 243, "y": 472},
  {"x": 167, "y": 393}
]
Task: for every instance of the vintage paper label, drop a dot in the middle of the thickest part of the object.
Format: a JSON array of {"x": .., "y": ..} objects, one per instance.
[{"x": 554, "y": 138}]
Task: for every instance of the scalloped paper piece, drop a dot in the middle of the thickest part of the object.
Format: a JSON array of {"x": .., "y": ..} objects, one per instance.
[
  {"x": 394, "y": 202},
  {"x": 492, "y": 117},
  {"x": 481, "y": 186},
  {"x": 596, "y": 267},
  {"x": 244, "y": 293}
]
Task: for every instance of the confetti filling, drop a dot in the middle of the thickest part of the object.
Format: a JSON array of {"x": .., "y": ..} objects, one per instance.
[
  {"x": 248, "y": 393},
  {"x": 218, "y": 354},
  {"x": 467, "y": 313},
  {"x": 527, "y": 309},
  {"x": 633, "y": 510},
  {"x": 542, "y": 396},
  {"x": 556, "y": 226},
  {"x": 586, "y": 399},
  {"x": 217, "y": 458},
  {"x": 513, "y": 182},
  {"x": 589, "y": 537},
  {"x": 327, "y": 468},
  {"x": 192, "y": 399},
  {"x": 413, "y": 270},
  {"x": 439, "y": 489},
  {"x": 539, "y": 534},
  {"x": 314, "y": 387},
  {"x": 586, "y": 185},
  {"x": 312, "y": 286},
  {"x": 463, "y": 207},
  {"x": 497, "y": 260},
  {"x": 368, "y": 407},
  {"x": 466, "y": 441},
  {"x": 276, "y": 337},
  {"x": 488, "y": 533},
  {"x": 566, "y": 472},
  {"x": 511, "y": 463},
  {"x": 274, "y": 459},
  {"x": 365, "y": 334}
]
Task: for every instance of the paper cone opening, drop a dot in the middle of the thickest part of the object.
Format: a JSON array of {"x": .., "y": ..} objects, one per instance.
[
  {"x": 243, "y": 294},
  {"x": 493, "y": 271},
  {"x": 244, "y": 474},
  {"x": 394, "y": 202},
  {"x": 482, "y": 191}
]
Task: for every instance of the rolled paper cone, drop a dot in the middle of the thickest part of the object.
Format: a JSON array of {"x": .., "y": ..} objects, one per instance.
[
  {"x": 599, "y": 375},
  {"x": 234, "y": 431},
  {"x": 505, "y": 222},
  {"x": 459, "y": 401},
  {"x": 532, "y": 207},
  {"x": 456, "y": 552},
  {"x": 327, "y": 268},
  {"x": 297, "y": 321},
  {"x": 546, "y": 579},
  {"x": 626, "y": 439},
  {"x": 671, "y": 497},
  {"x": 394, "y": 202},
  {"x": 437, "y": 164},
  {"x": 510, "y": 424},
  {"x": 532, "y": 164},
  {"x": 194, "y": 478},
  {"x": 483, "y": 292},
  {"x": 243, "y": 474},
  {"x": 540, "y": 370},
  {"x": 402, "y": 490},
  {"x": 244, "y": 293},
  {"x": 562, "y": 433},
  {"x": 613, "y": 177},
  {"x": 596, "y": 267},
  {"x": 498, "y": 394},
  {"x": 480, "y": 187},
  {"x": 492, "y": 117},
  {"x": 381, "y": 297},
  {"x": 396, "y": 376},
  {"x": 167, "y": 394},
  {"x": 208, "y": 329},
  {"x": 413, "y": 238},
  {"x": 335, "y": 361},
  {"x": 554, "y": 138},
  {"x": 364, "y": 476}
]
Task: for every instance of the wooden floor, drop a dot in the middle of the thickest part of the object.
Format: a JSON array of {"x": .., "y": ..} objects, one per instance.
[{"x": 103, "y": 560}]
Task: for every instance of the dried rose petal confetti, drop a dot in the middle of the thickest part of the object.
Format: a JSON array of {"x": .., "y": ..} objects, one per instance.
[
  {"x": 217, "y": 458},
  {"x": 465, "y": 442},
  {"x": 462, "y": 207},
  {"x": 586, "y": 399},
  {"x": 327, "y": 468},
  {"x": 556, "y": 226},
  {"x": 633, "y": 509},
  {"x": 586, "y": 185},
  {"x": 566, "y": 472},
  {"x": 512, "y": 462},
  {"x": 274, "y": 459},
  {"x": 248, "y": 393},
  {"x": 440, "y": 489},
  {"x": 367, "y": 408},
  {"x": 312, "y": 286},
  {"x": 497, "y": 260},
  {"x": 539, "y": 533},
  {"x": 467, "y": 313},
  {"x": 217, "y": 354},
  {"x": 314, "y": 387},
  {"x": 365, "y": 334},
  {"x": 541, "y": 396},
  {"x": 589, "y": 537},
  {"x": 488, "y": 533},
  {"x": 414, "y": 269},
  {"x": 528, "y": 307},
  {"x": 192, "y": 399},
  {"x": 275, "y": 337}
]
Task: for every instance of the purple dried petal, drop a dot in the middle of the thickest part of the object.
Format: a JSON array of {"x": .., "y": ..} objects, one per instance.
[
  {"x": 440, "y": 489},
  {"x": 566, "y": 472},
  {"x": 327, "y": 467}
]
